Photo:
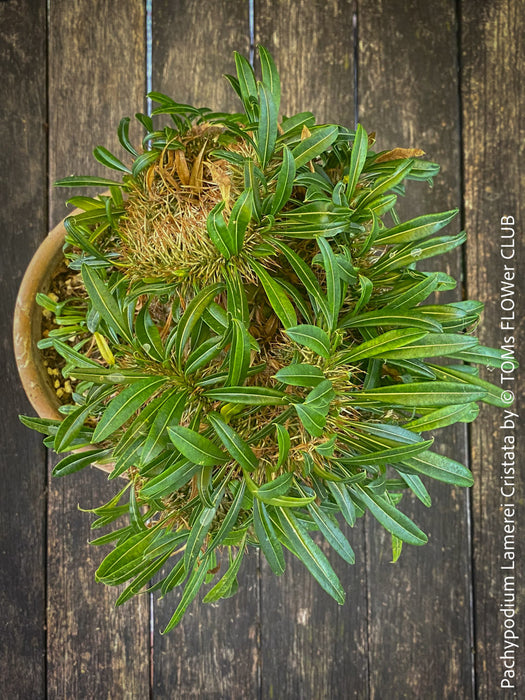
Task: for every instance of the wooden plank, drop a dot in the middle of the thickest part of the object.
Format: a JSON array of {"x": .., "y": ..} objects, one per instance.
[
  {"x": 310, "y": 646},
  {"x": 214, "y": 651},
  {"x": 419, "y": 607},
  {"x": 494, "y": 128},
  {"x": 22, "y": 459},
  {"x": 96, "y": 76}
]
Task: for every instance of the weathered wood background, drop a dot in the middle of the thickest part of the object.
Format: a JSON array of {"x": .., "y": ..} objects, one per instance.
[{"x": 444, "y": 76}]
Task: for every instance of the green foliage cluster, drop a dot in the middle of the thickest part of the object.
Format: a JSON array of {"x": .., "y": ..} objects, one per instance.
[{"x": 253, "y": 404}]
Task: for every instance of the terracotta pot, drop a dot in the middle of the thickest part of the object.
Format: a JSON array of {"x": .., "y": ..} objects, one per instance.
[{"x": 27, "y": 326}]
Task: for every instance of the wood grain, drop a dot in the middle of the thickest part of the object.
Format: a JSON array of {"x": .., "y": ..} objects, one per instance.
[
  {"x": 419, "y": 607},
  {"x": 96, "y": 76},
  {"x": 22, "y": 458},
  {"x": 214, "y": 652},
  {"x": 494, "y": 130},
  {"x": 310, "y": 646}
]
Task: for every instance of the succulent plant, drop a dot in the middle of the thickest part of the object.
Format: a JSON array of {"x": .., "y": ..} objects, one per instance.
[{"x": 252, "y": 345}]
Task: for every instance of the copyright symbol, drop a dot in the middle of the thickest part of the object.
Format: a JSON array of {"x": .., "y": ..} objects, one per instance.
[{"x": 507, "y": 396}]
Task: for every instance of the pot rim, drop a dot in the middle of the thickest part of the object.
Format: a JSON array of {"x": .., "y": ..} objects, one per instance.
[{"x": 27, "y": 321}]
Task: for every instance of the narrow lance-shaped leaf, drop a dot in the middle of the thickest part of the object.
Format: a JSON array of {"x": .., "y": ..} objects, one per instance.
[
  {"x": 320, "y": 140},
  {"x": 232, "y": 441},
  {"x": 105, "y": 303},
  {"x": 277, "y": 297},
  {"x": 270, "y": 75},
  {"x": 357, "y": 160},
  {"x": 218, "y": 231},
  {"x": 122, "y": 407},
  {"x": 285, "y": 179},
  {"x": 312, "y": 337},
  {"x": 311, "y": 556},
  {"x": 189, "y": 318},
  {"x": 390, "y": 518},
  {"x": 421, "y": 394},
  {"x": 333, "y": 289},
  {"x": 197, "y": 448},
  {"x": 267, "y": 129},
  {"x": 270, "y": 545},
  {"x": 381, "y": 344},
  {"x": 416, "y": 229},
  {"x": 240, "y": 217}
]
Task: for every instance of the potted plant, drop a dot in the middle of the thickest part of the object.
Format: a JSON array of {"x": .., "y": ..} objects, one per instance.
[{"x": 241, "y": 331}]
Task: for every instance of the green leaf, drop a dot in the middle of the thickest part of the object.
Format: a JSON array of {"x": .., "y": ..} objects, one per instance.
[
  {"x": 237, "y": 302},
  {"x": 391, "y": 455},
  {"x": 381, "y": 344},
  {"x": 218, "y": 231},
  {"x": 144, "y": 161},
  {"x": 148, "y": 335},
  {"x": 342, "y": 498},
  {"x": 123, "y": 136},
  {"x": 366, "y": 288},
  {"x": 441, "y": 417},
  {"x": 277, "y": 487},
  {"x": 239, "y": 356},
  {"x": 306, "y": 276},
  {"x": 191, "y": 315},
  {"x": 421, "y": 394},
  {"x": 86, "y": 181},
  {"x": 438, "y": 467},
  {"x": 222, "y": 588},
  {"x": 230, "y": 518},
  {"x": 374, "y": 319},
  {"x": 172, "y": 479},
  {"x": 232, "y": 441},
  {"x": 270, "y": 75},
  {"x": 388, "y": 183},
  {"x": 416, "y": 229},
  {"x": 312, "y": 337},
  {"x": 492, "y": 394},
  {"x": 270, "y": 545},
  {"x": 490, "y": 357},
  {"x": 77, "y": 461},
  {"x": 199, "y": 531},
  {"x": 247, "y": 84},
  {"x": 300, "y": 375},
  {"x": 240, "y": 217},
  {"x": 311, "y": 556},
  {"x": 249, "y": 396},
  {"x": 267, "y": 129},
  {"x": 357, "y": 160},
  {"x": 332, "y": 533},
  {"x": 415, "y": 293},
  {"x": 284, "y": 443},
  {"x": 411, "y": 253},
  {"x": 285, "y": 179},
  {"x": 333, "y": 289},
  {"x": 169, "y": 413},
  {"x": 321, "y": 396},
  {"x": 71, "y": 427},
  {"x": 197, "y": 448},
  {"x": 123, "y": 406},
  {"x": 126, "y": 559},
  {"x": 277, "y": 297},
  {"x": 203, "y": 354},
  {"x": 104, "y": 302},
  {"x": 431, "y": 345},
  {"x": 191, "y": 589},
  {"x": 109, "y": 160},
  {"x": 312, "y": 418},
  {"x": 321, "y": 139},
  {"x": 390, "y": 518},
  {"x": 417, "y": 487}
]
